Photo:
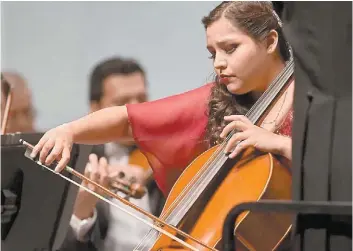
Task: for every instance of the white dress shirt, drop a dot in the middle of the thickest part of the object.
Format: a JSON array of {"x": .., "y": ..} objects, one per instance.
[{"x": 124, "y": 232}]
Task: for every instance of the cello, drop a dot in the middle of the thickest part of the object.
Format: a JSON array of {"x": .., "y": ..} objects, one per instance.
[{"x": 213, "y": 184}]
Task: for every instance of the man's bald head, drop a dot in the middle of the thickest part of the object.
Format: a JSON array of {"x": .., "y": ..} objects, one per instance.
[{"x": 21, "y": 116}]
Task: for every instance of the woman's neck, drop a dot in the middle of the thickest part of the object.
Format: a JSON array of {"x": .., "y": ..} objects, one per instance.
[{"x": 272, "y": 71}]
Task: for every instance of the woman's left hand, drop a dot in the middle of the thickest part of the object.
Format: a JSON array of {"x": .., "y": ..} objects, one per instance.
[{"x": 252, "y": 135}]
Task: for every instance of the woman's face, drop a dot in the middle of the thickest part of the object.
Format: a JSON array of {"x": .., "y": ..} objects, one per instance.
[{"x": 239, "y": 61}]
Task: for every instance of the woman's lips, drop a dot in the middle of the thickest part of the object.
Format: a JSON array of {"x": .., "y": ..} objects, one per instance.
[{"x": 224, "y": 80}]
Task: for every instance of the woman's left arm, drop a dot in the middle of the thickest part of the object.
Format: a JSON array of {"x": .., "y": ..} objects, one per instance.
[
  {"x": 252, "y": 135},
  {"x": 285, "y": 147}
]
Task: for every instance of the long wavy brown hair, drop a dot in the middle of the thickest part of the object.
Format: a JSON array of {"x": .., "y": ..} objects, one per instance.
[{"x": 257, "y": 19}]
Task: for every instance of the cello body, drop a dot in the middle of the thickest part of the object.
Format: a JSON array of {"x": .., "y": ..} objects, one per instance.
[{"x": 254, "y": 177}]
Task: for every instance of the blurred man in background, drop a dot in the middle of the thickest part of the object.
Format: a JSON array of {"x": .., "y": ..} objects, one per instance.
[
  {"x": 96, "y": 225},
  {"x": 21, "y": 115}
]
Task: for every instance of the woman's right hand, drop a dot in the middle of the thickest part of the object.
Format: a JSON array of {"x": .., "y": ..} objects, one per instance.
[{"x": 58, "y": 141}]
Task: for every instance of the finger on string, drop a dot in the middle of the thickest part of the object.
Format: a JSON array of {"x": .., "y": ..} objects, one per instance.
[
  {"x": 234, "y": 140},
  {"x": 93, "y": 159},
  {"x": 87, "y": 173},
  {"x": 94, "y": 173},
  {"x": 239, "y": 125},
  {"x": 114, "y": 171},
  {"x": 239, "y": 148},
  {"x": 103, "y": 170},
  {"x": 87, "y": 170}
]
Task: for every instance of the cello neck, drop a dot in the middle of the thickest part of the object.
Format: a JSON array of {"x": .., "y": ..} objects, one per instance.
[{"x": 269, "y": 96}]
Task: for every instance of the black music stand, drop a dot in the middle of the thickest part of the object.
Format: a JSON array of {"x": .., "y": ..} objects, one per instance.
[
  {"x": 36, "y": 205},
  {"x": 317, "y": 215}
]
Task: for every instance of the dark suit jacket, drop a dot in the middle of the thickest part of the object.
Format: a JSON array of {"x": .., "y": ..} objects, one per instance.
[
  {"x": 99, "y": 230},
  {"x": 320, "y": 34}
]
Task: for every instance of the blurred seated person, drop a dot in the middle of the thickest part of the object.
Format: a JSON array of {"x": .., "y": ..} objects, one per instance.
[
  {"x": 21, "y": 115},
  {"x": 96, "y": 225}
]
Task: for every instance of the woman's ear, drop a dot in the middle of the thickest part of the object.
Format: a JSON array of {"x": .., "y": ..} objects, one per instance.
[{"x": 272, "y": 41}]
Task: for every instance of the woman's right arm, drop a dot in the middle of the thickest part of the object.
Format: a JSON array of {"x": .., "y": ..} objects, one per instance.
[{"x": 100, "y": 127}]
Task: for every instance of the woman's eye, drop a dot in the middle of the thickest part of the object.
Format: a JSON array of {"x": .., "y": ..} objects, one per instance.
[
  {"x": 212, "y": 56},
  {"x": 231, "y": 50}
]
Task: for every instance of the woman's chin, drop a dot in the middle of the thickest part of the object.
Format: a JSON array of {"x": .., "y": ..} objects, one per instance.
[{"x": 236, "y": 89}]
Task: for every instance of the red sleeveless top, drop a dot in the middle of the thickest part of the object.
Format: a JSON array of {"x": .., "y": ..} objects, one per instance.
[{"x": 170, "y": 132}]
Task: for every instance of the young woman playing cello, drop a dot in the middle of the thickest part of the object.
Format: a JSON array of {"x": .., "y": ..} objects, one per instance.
[{"x": 248, "y": 51}]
